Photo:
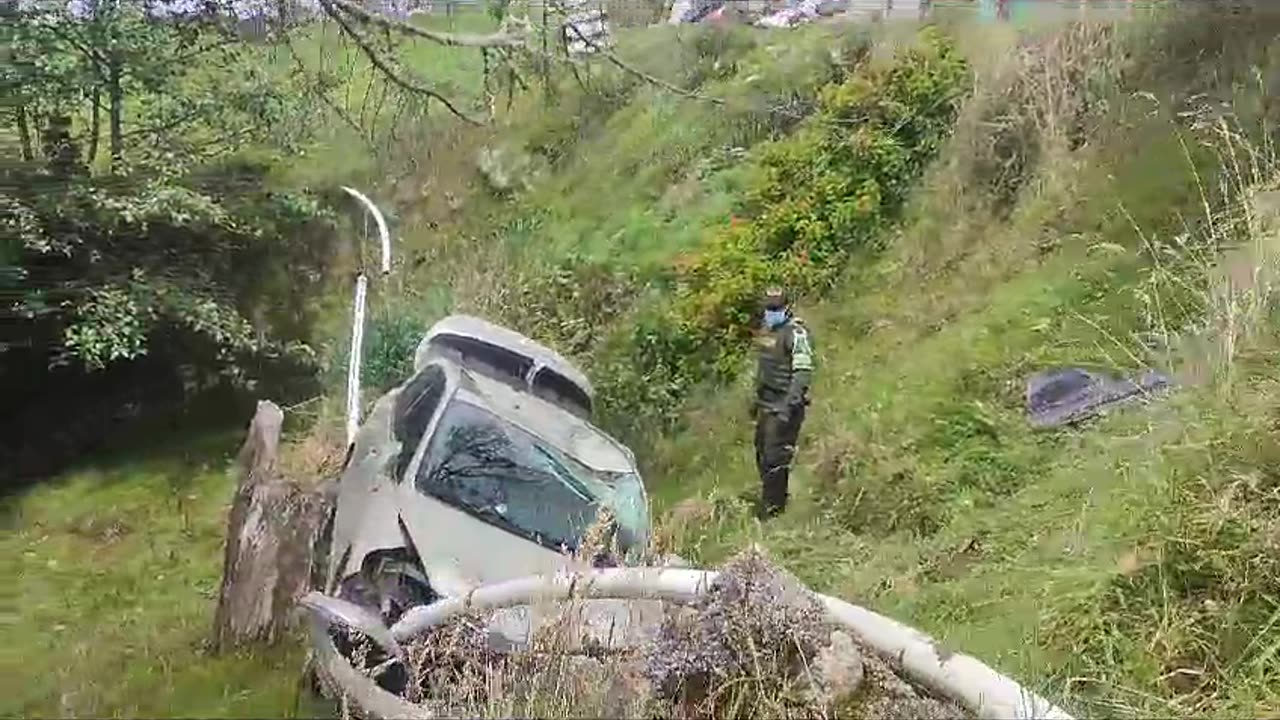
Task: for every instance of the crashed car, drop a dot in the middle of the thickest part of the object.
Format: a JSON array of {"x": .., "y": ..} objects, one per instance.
[{"x": 483, "y": 466}]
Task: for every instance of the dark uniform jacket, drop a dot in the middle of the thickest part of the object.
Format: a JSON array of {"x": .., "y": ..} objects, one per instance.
[{"x": 785, "y": 366}]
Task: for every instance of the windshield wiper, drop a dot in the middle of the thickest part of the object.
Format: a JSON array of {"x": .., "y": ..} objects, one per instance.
[{"x": 566, "y": 475}]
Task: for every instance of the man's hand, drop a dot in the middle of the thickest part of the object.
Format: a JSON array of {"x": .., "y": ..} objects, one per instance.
[{"x": 783, "y": 414}]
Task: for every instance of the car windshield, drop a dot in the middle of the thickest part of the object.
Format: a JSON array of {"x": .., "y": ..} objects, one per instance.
[{"x": 489, "y": 467}]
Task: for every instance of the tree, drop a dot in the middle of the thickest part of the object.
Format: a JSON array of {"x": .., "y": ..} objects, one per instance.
[
  {"x": 169, "y": 247},
  {"x": 363, "y": 27},
  {"x": 518, "y": 46},
  {"x": 145, "y": 239},
  {"x": 151, "y": 67}
]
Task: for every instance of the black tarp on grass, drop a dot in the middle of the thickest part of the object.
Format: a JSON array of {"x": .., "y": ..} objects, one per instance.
[{"x": 1065, "y": 396}]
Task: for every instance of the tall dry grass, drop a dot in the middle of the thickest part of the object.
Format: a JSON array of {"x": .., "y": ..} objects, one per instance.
[{"x": 1210, "y": 290}]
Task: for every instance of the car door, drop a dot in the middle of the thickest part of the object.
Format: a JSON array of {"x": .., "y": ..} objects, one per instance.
[{"x": 368, "y": 505}]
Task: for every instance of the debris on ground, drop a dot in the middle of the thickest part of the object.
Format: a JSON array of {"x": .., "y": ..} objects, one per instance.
[
  {"x": 1069, "y": 395},
  {"x": 753, "y": 632},
  {"x": 759, "y": 644},
  {"x": 893, "y": 698},
  {"x": 692, "y": 11},
  {"x": 798, "y": 14}
]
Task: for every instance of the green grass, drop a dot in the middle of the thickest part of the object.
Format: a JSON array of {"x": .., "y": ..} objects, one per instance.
[
  {"x": 114, "y": 572},
  {"x": 1123, "y": 568},
  {"x": 629, "y": 171},
  {"x": 1079, "y": 561},
  {"x": 665, "y": 162}
]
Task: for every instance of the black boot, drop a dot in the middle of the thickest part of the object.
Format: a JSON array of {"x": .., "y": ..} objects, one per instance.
[{"x": 769, "y": 508}]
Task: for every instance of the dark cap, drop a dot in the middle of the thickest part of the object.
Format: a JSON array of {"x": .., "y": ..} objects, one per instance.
[{"x": 775, "y": 298}]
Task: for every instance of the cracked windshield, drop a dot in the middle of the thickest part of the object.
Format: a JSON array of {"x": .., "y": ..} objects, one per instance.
[{"x": 483, "y": 465}]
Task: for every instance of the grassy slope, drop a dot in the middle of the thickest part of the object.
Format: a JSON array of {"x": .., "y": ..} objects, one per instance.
[
  {"x": 645, "y": 185},
  {"x": 1098, "y": 554},
  {"x": 126, "y": 667},
  {"x": 114, "y": 570},
  {"x": 339, "y": 151},
  {"x": 1035, "y": 547}
]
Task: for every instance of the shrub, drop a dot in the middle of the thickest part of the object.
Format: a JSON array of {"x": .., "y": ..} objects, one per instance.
[
  {"x": 389, "y": 344},
  {"x": 813, "y": 200},
  {"x": 570, "y": 303},
  {"x": 391, "y": 336}
]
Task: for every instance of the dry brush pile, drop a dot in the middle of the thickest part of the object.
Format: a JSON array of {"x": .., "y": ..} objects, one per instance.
[{"x": 756, "y": 644}]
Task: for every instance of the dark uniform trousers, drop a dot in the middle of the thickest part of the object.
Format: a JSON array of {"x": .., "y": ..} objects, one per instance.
[
  {"x": 775, "y": 449},
  {"x": 783, "y": 374}
]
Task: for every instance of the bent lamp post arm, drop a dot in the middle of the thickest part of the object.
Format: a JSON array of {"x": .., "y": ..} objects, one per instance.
[{"x": 357, "y": 323}]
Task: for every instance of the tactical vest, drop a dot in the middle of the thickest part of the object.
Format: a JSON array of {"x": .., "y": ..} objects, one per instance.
[{"x": 784, "y": 351}]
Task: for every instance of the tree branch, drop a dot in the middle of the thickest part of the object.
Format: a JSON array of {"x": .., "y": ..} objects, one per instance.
[
  {"x": 97, "y": 60},
  {"x": 320, "y": 94},
  {"x": 202, "y": 49},
  {"x": 617, "y": 61},
  {"x": 500, "y": 39},
  {"x": 166, "y": 125},
  {"x": 382, "y": 65}
]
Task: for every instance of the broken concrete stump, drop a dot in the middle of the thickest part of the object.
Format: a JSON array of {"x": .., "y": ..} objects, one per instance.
[{"x": 272, "y": 533}]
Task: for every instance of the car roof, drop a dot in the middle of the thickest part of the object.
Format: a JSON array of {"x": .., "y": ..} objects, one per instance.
[
  {"x": 469, "y": 327},
  {"x": 562, "y": 429}
]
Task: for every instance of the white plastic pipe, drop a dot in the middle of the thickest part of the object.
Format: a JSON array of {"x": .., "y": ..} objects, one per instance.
[
  {"x": 368, "y": 697},
  {"x": 962, "y": 678},
  {"x": 330, "y": 610},
  {"x": 357, "y": 323},
  {"x": 384, "y": 236},
  {"x": 353, "y": 363}
]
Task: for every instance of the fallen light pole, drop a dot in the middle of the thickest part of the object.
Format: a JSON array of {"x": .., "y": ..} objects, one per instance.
[
  {"x": 357, "y": 323},
  {"x": 976, "y": 687}
]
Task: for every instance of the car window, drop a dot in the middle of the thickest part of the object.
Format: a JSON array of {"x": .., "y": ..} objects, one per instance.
[
  {"x": 499, "y": 360},
  {"x": 415, "y": 406},
  {"x": 505, "y": 476},
  {"x": 562, "y": 391}
]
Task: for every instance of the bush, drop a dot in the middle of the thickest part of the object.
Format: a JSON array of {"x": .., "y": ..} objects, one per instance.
[
  {"x": 570, "y": 303},
  {"x": 391, "y": 336},
  {"x": 389, "y": 344},
  {"x": 813, "y": 200}
]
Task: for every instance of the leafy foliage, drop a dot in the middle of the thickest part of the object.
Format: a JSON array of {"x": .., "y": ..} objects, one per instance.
[
  {"x": 574, "y": 299},
  {"x": 112, "y": 262},
  {"x": 177, "y": 232},
  {"x": 390, "y": 341},
  {"x": 139, "y": 218},
  {"x": 813, "y": 200}
]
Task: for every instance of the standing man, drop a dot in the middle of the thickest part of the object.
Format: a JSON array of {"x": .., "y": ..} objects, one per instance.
[{"x": 782, "y": 392}]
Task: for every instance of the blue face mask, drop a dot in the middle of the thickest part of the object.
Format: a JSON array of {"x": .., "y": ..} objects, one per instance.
[{"x": 774, "y": 318}]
